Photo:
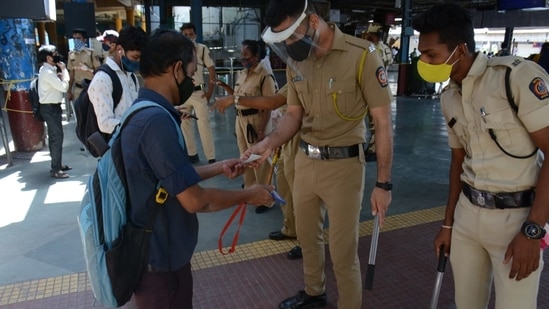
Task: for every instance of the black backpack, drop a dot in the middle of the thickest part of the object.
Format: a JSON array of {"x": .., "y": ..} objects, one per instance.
[
  {"x": 86, "y": 119},
  {"x": 34, "y": 99}
]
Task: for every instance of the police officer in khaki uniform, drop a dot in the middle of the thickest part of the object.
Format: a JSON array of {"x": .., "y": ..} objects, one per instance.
[
  {"x": 493, "y": 221},
  {"x": 81, "y": 64},
  {"x": 333, "y": 78},
  {"x": 252, "y": 124},
  {"x": 285, "y": 172},
  {"x": 198, "y": 102}
]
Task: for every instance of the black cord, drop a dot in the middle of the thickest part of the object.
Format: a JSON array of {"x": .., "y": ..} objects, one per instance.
[{"x": 493, "y": 136}]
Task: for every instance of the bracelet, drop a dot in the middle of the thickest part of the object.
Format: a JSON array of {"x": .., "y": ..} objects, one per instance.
[{"x": 447, "y": 227}]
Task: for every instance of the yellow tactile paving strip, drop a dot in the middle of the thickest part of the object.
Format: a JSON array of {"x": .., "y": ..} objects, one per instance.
[{"x": 78, "y": 282}]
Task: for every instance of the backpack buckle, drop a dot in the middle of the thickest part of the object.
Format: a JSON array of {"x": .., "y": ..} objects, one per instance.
[{"x": 161, "y": 195}]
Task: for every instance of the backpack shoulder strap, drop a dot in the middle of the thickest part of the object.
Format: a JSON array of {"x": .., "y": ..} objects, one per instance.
[{"x": 116, "y": 84}]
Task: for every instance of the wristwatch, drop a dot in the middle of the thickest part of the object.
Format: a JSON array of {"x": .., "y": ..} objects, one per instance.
[
  {"x": 387, "y": 186},
  {"x": 236, "y": 99},
  {"x": 532, "y": 230}
]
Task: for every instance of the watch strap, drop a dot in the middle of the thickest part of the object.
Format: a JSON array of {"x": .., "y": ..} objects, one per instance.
[{"x": 387, "y": 186}]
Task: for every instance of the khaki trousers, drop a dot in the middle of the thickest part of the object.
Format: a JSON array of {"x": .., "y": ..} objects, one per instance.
[
  {"x": 200, "y": 106},
  {"x": 480, "y": 238},
  {"x": 285, "y": 174},
  {"x": 251, "y": 176},
  {"x": 334, "y": 187}
]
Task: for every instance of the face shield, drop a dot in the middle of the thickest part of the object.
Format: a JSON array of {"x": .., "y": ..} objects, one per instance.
[{"x": 293, "y": 44}]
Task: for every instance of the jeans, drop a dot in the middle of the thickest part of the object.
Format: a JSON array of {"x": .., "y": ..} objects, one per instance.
[{"x": 52, "y": 114}]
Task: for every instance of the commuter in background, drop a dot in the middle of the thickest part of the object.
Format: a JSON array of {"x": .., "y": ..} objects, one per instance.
[
  {"x": 252, "y": 124},
  {"x": 543, "y": 58},
  {"x": 152, "y": 153},
  {"x": 327, "y": 100},
  {"x": 374, "y": 33},
  {"x": 82, "y": 63},
  {"x": 51, "y": 89},
  {"x": 124, "y": 62},
  {"x": 108, "y": 44},
  {"x": 198, "y": 102},
  {"x": 498, "y": 199}
]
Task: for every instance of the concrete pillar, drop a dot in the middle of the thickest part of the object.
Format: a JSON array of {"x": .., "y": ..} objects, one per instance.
[
  {"x": 117, "y": 23},
  {"x": 41, "y": 27},
  {"x": 18, "y": 65}
]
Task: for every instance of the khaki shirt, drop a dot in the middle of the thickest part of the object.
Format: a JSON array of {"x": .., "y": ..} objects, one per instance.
[
  {"x": 485, "y": 166},
  {"x": 337, "y": 73},
  {"x": 257, "y": 82},
  {"x": 85, "y": 56},
  {"x": 384, "y": 53},
  {"x": 204, "y": 62}
]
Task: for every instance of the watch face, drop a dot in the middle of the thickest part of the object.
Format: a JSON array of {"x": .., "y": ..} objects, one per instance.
[{"x": 533, "y": 231}]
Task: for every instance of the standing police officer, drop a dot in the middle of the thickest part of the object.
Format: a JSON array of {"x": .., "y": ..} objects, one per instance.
[
  {"x": 82, "y": 63},
  {"x": 493, "y": 222},
  {"x": 333, "y": 78}
]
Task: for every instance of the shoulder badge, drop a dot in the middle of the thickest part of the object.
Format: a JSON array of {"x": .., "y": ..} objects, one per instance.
[
  {"x": 381, "y": 76},
  {"x": 539, "y": 88}
]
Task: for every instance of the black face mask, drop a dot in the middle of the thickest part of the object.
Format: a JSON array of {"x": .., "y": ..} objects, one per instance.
[
  {"x": 186, "y": 89},
  {"x": 57, "y": 58},
  {"x": 301, "y": 49}
]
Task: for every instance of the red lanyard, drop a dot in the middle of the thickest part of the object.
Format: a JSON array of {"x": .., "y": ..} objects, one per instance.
[{"x": 242, "y": 209}]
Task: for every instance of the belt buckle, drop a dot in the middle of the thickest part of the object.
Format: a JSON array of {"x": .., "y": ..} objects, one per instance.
[
  {"x": 481, "y": 200},
  {"x": 313, "y": 152}
]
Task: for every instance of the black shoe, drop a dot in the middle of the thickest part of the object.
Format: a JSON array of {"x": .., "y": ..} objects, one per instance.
[
  {"x": 295, "y": 253},
  {"x": 211, "y": 161},
  {"x": 302, "y": 300},
  {"x": 370, "y": 156},
  {"x": 277, "y": 235},
  {"x": 261, "y": 209},
  {"x": 194, "y": 159},
  {"x": 59, "y": 174}
]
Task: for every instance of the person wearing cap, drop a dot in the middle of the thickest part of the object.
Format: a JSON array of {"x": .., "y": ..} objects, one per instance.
[
  {"x": 333, "y": 79},
  {"x": 198, "y": 102},
  {"x": 374, "y": 34},
  {"x": 108, "y": 43},
  {"x": 82, "y": 63},
  {"x": 498, "y": 197},
  {"x": 124, "y": 62}
]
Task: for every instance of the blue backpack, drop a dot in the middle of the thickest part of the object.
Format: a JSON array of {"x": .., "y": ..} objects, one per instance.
[{"x": 115, "y": 250}]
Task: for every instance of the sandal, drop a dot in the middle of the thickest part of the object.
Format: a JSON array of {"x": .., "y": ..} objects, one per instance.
[
  {"x": 65, "y": 168},
  {"x": 59, "y": 175}
]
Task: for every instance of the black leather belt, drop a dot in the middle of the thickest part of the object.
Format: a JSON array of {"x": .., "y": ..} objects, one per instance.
[
  {"x": 499, "y": 200},
  {"x": 78, "y": 86},
  {"x": 199, "y": 87},
  {"x": 246, "y": 112},
  {"x": 327, "y": 152}
]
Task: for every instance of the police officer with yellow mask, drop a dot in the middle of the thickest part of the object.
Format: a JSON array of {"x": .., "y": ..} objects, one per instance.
[{"x": 498, "y": 200}]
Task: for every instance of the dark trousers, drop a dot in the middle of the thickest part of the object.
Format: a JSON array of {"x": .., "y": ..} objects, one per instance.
[
  {"x": 165, "y": 290},
  {"x": 52, "y": 114}
]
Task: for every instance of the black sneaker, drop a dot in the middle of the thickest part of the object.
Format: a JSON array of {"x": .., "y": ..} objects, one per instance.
[
  {"x": 194, "y": 159},
  {"x": 302, "y": 300}
]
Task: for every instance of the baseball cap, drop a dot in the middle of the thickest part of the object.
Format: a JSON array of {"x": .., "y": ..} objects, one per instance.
[{"x": 108, "y": 35}]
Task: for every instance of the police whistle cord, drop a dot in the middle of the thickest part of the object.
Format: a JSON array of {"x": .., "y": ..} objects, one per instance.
[
  {"x": 369, "y": 282},
  {"x": 442, "y": 259}
]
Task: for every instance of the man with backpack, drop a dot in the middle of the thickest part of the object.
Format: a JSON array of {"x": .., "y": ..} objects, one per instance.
[
  {"x": 151, "y": 152},
  {"x": 124, "y": 62},
  {"x": 51, "y": 88}
]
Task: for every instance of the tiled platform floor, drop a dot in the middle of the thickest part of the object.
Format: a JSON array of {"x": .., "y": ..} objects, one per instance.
[{"x": 258, "y": 275}]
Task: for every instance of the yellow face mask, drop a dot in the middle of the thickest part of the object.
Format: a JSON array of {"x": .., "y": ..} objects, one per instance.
[{"x": 436, "y": 73}]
